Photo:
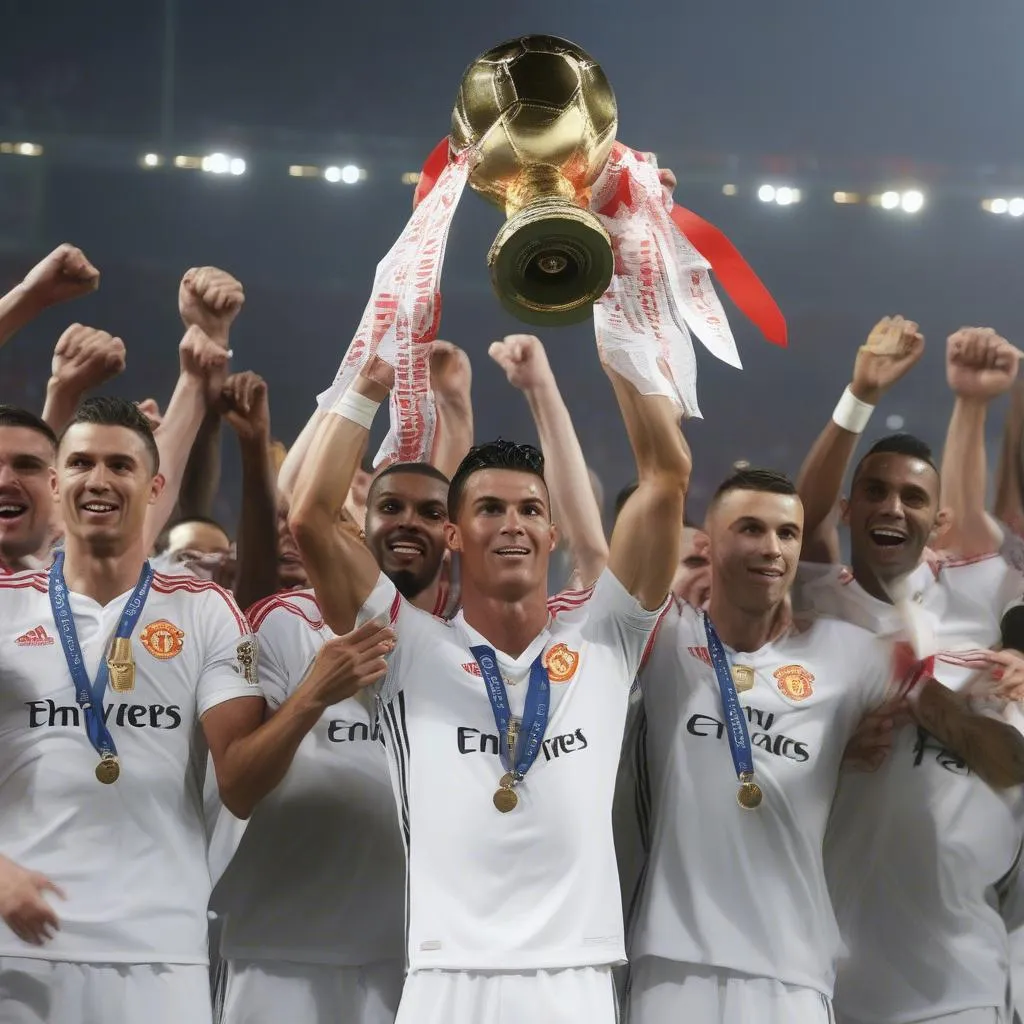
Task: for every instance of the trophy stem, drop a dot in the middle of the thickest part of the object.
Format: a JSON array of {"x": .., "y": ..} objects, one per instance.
[{"x": 535, "y": 182}]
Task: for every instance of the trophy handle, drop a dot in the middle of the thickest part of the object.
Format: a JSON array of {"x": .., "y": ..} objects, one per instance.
[{"x": 552, "y": 259}]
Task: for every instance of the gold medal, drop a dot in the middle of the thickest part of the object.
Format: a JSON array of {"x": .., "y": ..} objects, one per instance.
[
  {"x": 108, "y": 770},
  {"x": 506, "y": 799},
  {"x": 121, "y": 665},
  {"x": 742, "y": 677},
  {"x": 749, "y": 796}
]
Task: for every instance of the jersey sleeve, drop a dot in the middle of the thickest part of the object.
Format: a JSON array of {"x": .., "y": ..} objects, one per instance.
[
  {"x": 616, "y": 619},
  {"x": 275, "y": 679},
  {"x": 229, "y": 655},
  {"x": 412, "y": 633}
]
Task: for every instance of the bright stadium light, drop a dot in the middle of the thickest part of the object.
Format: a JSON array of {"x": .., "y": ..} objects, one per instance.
[
  {"x": 1015, "y": 207},
  {"x": 845, "y": 198},
  {"x": 217, "y": 163},
  {"x": 997, "y": 205},
  {"x": 237, "y": 166},
  {"x": 786, "y": 196},
  {"x": 889, "y": 200},
  {"x": 728, "y": 190},
  {"x": 912, "y": 201},
  {"x": 350, "y": 174},
  {"x": 766, "y": 193},
  {"x": 332, "y": 174},
  {"x": 152, "y": 160}
]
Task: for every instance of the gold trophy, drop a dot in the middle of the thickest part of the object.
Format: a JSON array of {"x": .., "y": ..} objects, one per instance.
[{"x": 542, "y": 117}]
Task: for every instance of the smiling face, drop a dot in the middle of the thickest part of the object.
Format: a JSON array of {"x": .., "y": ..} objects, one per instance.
[
  {"x": 892, "y": 510},
  {"x": 405, "y": 529},
  {"x": 105, "y": 484},
  {"x": 504, "y": 533},
  {"x": 27, "y": 508},
  {"x": 755, "y": 547}
]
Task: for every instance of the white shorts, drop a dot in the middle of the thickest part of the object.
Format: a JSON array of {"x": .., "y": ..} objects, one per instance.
[
  {"x": 985, "y": 1015},
  {"x": 56, "y": 992},
  {"x": 667, "y": 992},
  {"x": 576, "y": 995},
  {"x": 269, "y": 992}
]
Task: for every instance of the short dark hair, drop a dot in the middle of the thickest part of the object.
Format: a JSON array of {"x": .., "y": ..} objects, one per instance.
[
  {"x": 767, "y": 481},
  {"x": 623, "y": 496},
  {"x": 164, "y": 540},
  {"x": 899, "y": 444},
  {"x": 104, "y": 411},
  {"x": 499, "y": 454},
  {"x": 415, "y": 468},
  {"x": 13, "y": 416}
]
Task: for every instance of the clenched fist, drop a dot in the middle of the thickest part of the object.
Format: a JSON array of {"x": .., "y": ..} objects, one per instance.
[
  {"x": 893, "y": 347},
  {"x": 200, "y": 355},
  {"x": 64, "y": 274},
  {"x": 450, "y": 373},
  {"x": 524, "y": 361},
  {"x": 245, "y": 406},
  {"x": 980, "y": 364},
  {"x": 210, "y": 298},
  {"x": 85, "y": 358}
]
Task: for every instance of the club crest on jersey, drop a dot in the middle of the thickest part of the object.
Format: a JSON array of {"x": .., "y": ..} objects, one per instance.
[
  {"x": 561, "y": 663},
  {"x": 163, "y": 639},
  {"x": 246, "y": 655},
  {"x": 794, "y": 682}
]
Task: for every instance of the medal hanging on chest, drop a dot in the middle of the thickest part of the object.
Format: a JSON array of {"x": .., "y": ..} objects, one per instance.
[
  {"x": 749, "y": 795},
  {"x": 118, "y": 666},
  {"x": 519, "y": 743}
]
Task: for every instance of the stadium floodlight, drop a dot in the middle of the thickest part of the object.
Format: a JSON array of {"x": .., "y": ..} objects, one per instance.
[
  {"x": 889, "y": 200},
  {"x": 728, "y": 190},
  {"x": 152, "y": 160},
  {"x": 237, "y": 166},
  {"x": 786, "y": 196},
  {"x": 912, "y": 201},
  {"x": 350, "y": 174},
  {"x": 766, "y": 193},
  {"x": 332, "y": 174},
  {"x": 1015, "y": 207},
  {"x": 996, "y": 205}
]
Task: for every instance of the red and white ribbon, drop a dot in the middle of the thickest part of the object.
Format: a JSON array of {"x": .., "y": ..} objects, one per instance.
[
  {"x": 661, "y": 290},
  {"x": 402, "y": 319}
]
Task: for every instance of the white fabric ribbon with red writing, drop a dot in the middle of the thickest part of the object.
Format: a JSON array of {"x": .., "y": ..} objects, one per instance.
[
  {"x": 402, "y": 319},
  {"x": 661, "y": 289}
]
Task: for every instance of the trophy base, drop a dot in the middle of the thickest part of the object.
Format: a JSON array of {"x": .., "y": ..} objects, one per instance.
[{"x": 551, "y": 262}]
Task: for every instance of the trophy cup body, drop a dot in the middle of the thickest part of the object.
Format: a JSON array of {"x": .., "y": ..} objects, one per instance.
[{"x": 542, "y": 118}]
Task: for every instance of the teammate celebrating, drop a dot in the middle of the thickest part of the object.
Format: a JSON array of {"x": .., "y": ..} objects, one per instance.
[
  {"x": 918, "y": 850},
  {"x": 110, "y": 668},
  {"x": 290, "y": 952},
  {"x": 735, "y": 850},
  {"x": 499, "y": 789}
]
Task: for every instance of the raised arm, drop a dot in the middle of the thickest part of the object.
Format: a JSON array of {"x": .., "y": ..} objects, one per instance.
[
  {"x": 84, "y": 359},
  {"x": 980, "y": 365},
  {"x": 1009, "y": 502},
  {"x": 246, "y": 408},
  {"x": 65, "y": 274},
  {"x": 198, "y": 356},
  {"x": 451, "y": 379},
  {"x": 340, "y": 567},
  {"x": 645, "y": 543},
  {"x": 892, "y": 348},
  {"x": 525, "y": 363}
]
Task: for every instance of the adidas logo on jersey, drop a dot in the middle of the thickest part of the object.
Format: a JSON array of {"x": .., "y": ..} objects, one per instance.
[{"x": 37, "y": 637}]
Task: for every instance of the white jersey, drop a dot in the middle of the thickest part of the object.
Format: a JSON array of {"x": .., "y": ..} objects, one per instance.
[
  {"x": 319, "y": 874},
  {"x": 535, "y": 888},
  {"x": 918, "y": 852},
  {"x": 131, "y": 856},
  {"x": 745, "y": 890}
]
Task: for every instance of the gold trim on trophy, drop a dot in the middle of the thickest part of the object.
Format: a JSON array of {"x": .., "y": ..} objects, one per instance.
[{"x": 541, "y": 118}]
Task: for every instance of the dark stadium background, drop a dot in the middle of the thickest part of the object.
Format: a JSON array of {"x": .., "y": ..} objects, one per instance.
[{"x": 860, "y": 97}]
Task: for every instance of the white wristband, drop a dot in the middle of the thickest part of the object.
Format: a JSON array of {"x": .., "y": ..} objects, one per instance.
[
  {"x": 851, "y": 413},
  {"x": 355, "y": 407}
]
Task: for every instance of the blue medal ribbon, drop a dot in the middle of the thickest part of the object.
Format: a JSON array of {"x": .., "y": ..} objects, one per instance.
[
  {"x": 89, "y": 694},
  {"x": 736, "y": 721},
  {"x": 535, "y": 714}
]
